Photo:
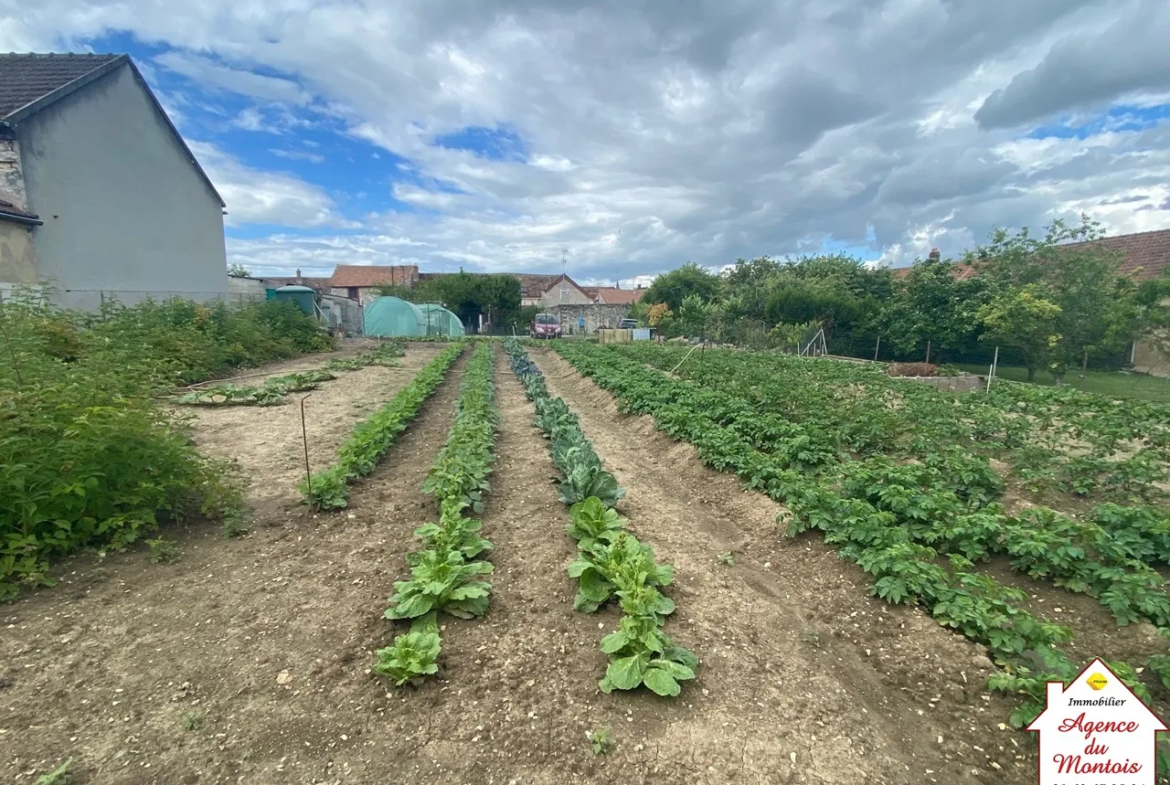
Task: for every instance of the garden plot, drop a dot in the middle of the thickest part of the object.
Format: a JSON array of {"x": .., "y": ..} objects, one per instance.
[
  {"x": 267, "y": 441},
  {"x": 251, "y": 660},
  {"x": 908, "y": 494}
]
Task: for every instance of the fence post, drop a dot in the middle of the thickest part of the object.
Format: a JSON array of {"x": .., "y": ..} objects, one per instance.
[
  {"x": 877, "y": 348},
  {"x": 928, "y": 351},
  {"x": 994, "y": 365}
]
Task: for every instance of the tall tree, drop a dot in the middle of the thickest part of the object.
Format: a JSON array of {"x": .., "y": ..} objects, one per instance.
[
  {"x": 675, "y": 286},
  {"x": 932, "y": 303},
  {"x": 1098, "y": 306}
]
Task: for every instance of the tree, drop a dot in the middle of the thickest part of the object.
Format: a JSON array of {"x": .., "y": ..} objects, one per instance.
[
  {"x": 1022, "y": 318},
  {"x": 673, "y": 287},
  {"x": 236, "y": 270},
  {"x": 468, "y": 295},
  {"x": 932, "y": 304},
  {"x": 1153, "y": 303},
  {"x": 694, "y": 315},
  {"x": 1099, "y": 312}
]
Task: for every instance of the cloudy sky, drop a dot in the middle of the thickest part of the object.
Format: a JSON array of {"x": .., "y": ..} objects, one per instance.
[{"x": 637, "y": 135}]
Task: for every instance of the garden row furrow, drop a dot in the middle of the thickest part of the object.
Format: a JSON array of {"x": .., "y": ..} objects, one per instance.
[
  {"x": 359, "y": 454},
  {"x": 273, "y": 390},
  {"x": 880, "y": 514},
  {"x": 444, "y": 571},
  {"x": 611, "y": 563}
]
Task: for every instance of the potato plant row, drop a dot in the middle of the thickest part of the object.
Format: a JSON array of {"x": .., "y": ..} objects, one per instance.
[
  {"x": 611, "y": 563},
  {"x": 866, "y": 517},
  {"x": 328, "y": 489},
  {"x": 273, "y": 390},
  {"x": 444, "y": 571}
]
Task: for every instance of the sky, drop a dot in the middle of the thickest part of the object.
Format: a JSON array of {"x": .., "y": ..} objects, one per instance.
[{"x": 630, "y": 137}]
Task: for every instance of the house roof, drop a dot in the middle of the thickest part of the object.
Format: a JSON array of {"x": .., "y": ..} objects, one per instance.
[
  {"x": 363, "y": 276},
  {"x": 28, "y": 78},
  {"x": 31, "y": 82},
  {"x": 10, "y": 210},
  {"x": 1145, "y": 255},
  {"x": 320, "y": 284},
  {"x": 611, "y": 295},
  {"x": 959, "y": 271},
  {"x": 533, "y": 285}
]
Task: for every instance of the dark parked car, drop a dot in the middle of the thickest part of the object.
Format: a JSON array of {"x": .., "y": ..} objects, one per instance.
[{"x": 546, "y": 325}]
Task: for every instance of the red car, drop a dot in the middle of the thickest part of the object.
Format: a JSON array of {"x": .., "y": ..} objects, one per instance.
[{"x": 545, "y": 325}]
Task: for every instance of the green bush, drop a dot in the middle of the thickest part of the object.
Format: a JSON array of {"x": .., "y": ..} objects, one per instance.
[{"x": 86, "y": 458}]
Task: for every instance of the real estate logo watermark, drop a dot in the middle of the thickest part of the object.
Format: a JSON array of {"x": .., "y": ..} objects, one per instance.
[{"x": 1096, "y": 731}]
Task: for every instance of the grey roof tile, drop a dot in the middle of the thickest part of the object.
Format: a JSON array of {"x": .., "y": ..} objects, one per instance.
[{"x": 25, "y": 78}]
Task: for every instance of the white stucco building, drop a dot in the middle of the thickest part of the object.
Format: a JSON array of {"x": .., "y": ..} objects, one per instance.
[{"x": 99, "y": 194}]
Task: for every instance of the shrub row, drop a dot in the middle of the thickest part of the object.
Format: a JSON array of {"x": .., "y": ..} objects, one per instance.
[
  {"x": 444, "y": 574},
  {"x": 86, "y": 458},
  {"x": 611, "y": 563},
  {"x": 328, "y": 489}
]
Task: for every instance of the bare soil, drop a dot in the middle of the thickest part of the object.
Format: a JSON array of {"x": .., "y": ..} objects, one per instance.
[
  {"x": 886, "y": 680},
  {"x": 249, "y": 660}
]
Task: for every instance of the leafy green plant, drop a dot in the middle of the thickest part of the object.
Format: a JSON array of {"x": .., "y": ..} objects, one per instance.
[
  {"x": 413, "y": 655},
  {"x": 58, "y": 776},
  {"x": 601, "y": 740},
  {"x": 442, "y": 572},
  {"x": 727, "y": 558},
  {"x": 192, "y": 720},
  {"x": 593, "y": 523},
  {"x": 441, "y": 581},
  {"x": 328, "y": 489},
  {"x": 611, "y": 562},
  {"x": 164, "y": 551}
]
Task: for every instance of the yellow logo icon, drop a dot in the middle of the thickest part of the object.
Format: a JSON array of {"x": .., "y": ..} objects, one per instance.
[{"x": 1097, "y": 681}]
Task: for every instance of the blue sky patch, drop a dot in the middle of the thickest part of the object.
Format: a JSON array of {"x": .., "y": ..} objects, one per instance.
[
  {"x": 494, "y": 144},
  {"x": 1122, "y": 117}
]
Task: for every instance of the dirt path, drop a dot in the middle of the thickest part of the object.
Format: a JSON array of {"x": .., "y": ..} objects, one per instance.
[
  {"x": 267, "y": 441},
  {"x": 517, "y": 689},
  {"x": 798, "y": 659},
  {"x": 247, "y": 661}
]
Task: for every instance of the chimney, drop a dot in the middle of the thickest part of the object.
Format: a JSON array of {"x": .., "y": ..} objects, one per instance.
[{"x": 934, "y": 255}]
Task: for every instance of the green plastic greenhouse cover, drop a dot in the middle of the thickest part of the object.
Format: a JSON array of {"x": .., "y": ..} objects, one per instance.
[
  {"x": 437, "y": 320},
  {"x": 390, "y": 317}
]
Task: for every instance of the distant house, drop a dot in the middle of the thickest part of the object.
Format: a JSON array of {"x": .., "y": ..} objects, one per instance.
[
  {"x": 360, "y": 282},
  {"x": 99, "y": 194},
  {"x": 612, "y": 295}
]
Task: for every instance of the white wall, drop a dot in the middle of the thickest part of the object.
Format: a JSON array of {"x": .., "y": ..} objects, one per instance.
[
  {"x": 124, "y": 209},
  {"x": 573, "y": 296}
]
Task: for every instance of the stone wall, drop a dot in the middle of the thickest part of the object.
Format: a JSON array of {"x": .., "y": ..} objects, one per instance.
[
  {"x": 11, "y": 175},
  {"x": 597, "y": 316}
]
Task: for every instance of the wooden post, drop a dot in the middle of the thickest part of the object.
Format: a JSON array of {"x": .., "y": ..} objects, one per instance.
[
  {"x": 928, "y": 351},
  {"x": 877, "y": 348},
  {"x": 1084, "y": 367}
]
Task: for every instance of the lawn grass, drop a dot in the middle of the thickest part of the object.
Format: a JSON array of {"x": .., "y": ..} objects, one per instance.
[{"x": 1114, "y": 383}]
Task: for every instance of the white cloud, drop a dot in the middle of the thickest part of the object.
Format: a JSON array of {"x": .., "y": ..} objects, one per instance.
[
  {"x": 255, "y": 196},
  {"x": 656, "y": 136}
]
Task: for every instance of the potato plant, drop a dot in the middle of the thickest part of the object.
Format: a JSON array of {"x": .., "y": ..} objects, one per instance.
[{"x": 832, "y": 444}]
